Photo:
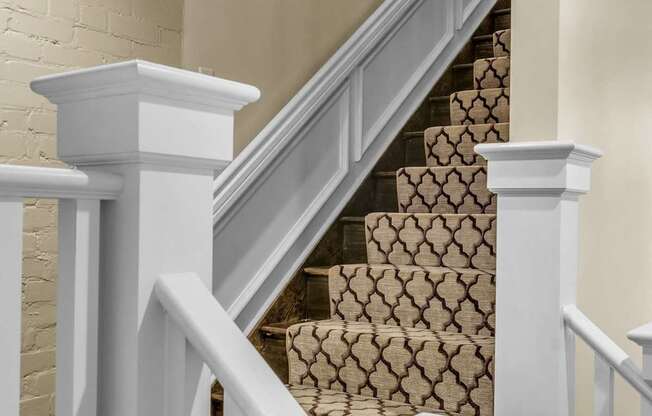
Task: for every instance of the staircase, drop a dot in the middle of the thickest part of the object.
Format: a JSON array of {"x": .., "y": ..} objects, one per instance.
[{"x": 405, "y": 323}]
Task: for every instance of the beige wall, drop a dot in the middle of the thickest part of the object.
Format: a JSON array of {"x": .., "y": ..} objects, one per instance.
[
  {"x": 39, "y": 37},
  {"x": 604, "y": 89},
  {"x": 276, "y": 45}
]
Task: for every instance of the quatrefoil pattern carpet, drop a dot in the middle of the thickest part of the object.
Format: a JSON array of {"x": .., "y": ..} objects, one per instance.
[{"x": 412, "y": 330}]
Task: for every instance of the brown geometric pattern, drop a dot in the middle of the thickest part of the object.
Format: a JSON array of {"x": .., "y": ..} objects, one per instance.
[
  {"x": 480, "y": 106},
  {"x": 436, "y": 298},
  {"x": 324, "y": 402},
  {"x": 453, "y": 145},
  {"x": 440, "y": 370},
  {"x": 445, "y": 190},
  {"x": 491, "y": 73},
  {"x": 451, "y": 240},
  {"x": 502, "y": 43}
]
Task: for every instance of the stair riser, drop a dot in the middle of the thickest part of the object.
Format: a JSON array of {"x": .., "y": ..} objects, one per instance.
[
  {"x": 441, "y": 371},
  {"x": 385, "y": 194},
  {"x": 502, "y": 21},
  {"x": 491, "y": 73},
  {"x": 463, "y": 79},
  {"x": 440, "y": 113},
  {"x": 439, "y": 299},
  {"x": 353, "y": 243},
  {"x": 454, "y": 145},
  {"x": 480, "y": 106},
  {"x": 414, "y": 155},
  {"x": 451, "y": 240},
  {"x": 502, "y": 43},
  {"x": 317, "y": 297}
]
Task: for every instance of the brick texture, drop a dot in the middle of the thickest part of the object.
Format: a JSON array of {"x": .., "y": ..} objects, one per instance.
[{"x": 40, "y": 37}]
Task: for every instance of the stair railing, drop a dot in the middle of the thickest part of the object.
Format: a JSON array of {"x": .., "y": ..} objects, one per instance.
[
  {"x": 197, "y": 317},
  {"x": 79, "y": 193},
  {"x": 610, "y": 358},
  {"x": 146, "y": 140}
]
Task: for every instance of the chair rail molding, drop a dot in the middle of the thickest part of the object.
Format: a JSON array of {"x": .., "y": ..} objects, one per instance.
[{"x": 280, "y": 195}]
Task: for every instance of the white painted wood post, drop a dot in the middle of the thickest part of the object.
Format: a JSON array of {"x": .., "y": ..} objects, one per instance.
[
  {"x": 77, "y": 307},
  {"x": 643, "y": 337},
  {"x": 538, "y": 185},
  {"x": 166, "y": 131},
  {"x": 11, "y": 259}
]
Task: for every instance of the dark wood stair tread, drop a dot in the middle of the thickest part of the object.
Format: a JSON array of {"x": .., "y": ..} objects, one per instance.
[
  {"x": 499, "y": 12},
  {"x": 317, "y": 271},
  {"x": 352, "y": 220}
]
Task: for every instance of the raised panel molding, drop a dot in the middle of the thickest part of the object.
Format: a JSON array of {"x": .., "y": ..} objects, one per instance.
[
  {"x": 278, "y": 198},
  {"x": 301, "y": 159}
]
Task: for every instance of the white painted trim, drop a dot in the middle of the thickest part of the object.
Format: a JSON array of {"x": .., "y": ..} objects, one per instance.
[
  {"x": 41, "y": 182},
  {"x": 144, "y": 77},
  {"x": 239, "y": 367},
  {"x": 255, "y": 166},
  {"x": 603, "y": 399},
  {"x": 150, "y": 159},
  {"x": 233, "y": 184},
  {"x": 298, "y": 228}
]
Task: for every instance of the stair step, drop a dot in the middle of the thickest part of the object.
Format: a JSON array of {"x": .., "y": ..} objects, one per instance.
[
  {"x": 440, "y": 110},
  {"x": 353, "y": 240},
  {"x": 436, "y": 298},
  {"x": 354, "y": 357},
  {"x": 502, "y": 43},
  {"x": 502, "y": 18},
  {"x": 445, "y": 190},
  {"x": 480, "y": 106},
  {"x": 452, "y": 240},
  {"x": 491, "y": 73},
  {"x": 453, "y": 145},
  {"x": 320, "y": 402}
]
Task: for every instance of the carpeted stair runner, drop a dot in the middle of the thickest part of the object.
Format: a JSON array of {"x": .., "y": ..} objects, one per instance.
[{"x": 412, "y": 330}]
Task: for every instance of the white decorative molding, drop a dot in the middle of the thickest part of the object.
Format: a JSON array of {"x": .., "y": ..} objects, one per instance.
[
  {"x": 280, "y": 195},
  {"x": 341, "y": 104}
]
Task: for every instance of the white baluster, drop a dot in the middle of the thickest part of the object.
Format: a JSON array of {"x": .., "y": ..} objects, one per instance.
[
  {"x": 643, "y": 337},
  {"x": 538, "y": 185},
  {"x": 603, "y": 399},
  {"x": 165, "y": 131},
  {"x": 77, "y": 307},
  {"x": 11, "y": 250}
]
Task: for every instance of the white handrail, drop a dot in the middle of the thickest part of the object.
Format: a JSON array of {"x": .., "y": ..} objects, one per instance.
[
  {"x": 601, "y": 344},
  {"x": 233, "y": 359},
  {"x": 42, "y": 182}
]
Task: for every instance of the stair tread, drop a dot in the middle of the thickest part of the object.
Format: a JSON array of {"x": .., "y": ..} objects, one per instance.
[
  {"x": 312, "y": 360},
  {"x": 320, "y": 401},
  {"x": 352, "y": 219},
  {"x": 279, "y": 328},
  {"x": 507, "y": 10}
]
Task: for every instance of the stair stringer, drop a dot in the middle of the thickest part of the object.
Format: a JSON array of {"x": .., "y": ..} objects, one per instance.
[{"x": 277, "y": 199}]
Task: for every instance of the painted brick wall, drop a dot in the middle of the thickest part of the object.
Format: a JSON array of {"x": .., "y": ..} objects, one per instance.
[{"x": 39, "y": 37}]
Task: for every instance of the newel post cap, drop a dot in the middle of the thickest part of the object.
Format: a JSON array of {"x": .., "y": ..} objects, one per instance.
[
  {"x": 145, "y": 77},
  {"x": 539, "y": 168},
  {"x": 641, "y": 335},
  {"x": 141, "y": 112}
]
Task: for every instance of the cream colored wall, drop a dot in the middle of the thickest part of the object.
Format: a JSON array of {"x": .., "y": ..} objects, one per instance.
[
  {"x": 604, "y": 90},
  {"x": 276, "y": 45},
  {"x": 39, "y": 37}
]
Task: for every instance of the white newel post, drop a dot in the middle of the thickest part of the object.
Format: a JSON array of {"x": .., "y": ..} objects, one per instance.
[
  {"x": 538, "y": 185},
  {"x": 166, "y": 131},
  {"x": 643, "y": 337}
]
